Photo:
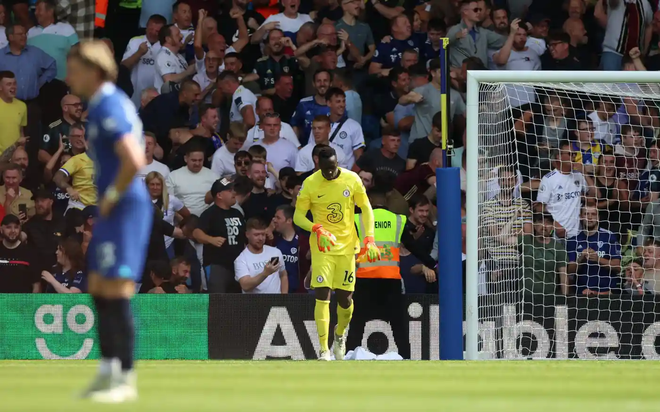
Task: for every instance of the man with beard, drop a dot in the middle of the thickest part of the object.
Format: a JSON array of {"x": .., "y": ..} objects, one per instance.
[
  {"x": 171, "y": 67},
  {"x": 19, "y": 274},
  {"x": 595, "y": 255},
  {"x": 44, "y": 230},
  {"x": 229, "y": 29},
  {"x": 30, "y": 180},
  {"x": 258, "y": 203},
  {"x": 274, "y": 62},
  {"x": 71, "y": 114},
  {"x": 500, "y": 18},
  {"x": 221, "y": 230},
  {"x": 224, "y": 158},
  {"x": 515, "y": 55},
  {"x": 312, "y": 106}
]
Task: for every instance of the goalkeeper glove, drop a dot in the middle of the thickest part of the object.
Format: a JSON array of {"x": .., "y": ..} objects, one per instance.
[
  {"x": 324, "y": 239},
  {"x": 371, "y": 252}
]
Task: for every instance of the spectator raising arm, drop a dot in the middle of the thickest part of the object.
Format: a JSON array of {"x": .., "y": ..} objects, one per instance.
[
  {"x": 198, "y": 44},
  {"x": 502, "y": 56},
  {"x": 387, "y": 12},
  {"x": 243, "y": 36},
  {"x": 263, "y": 31},
  {"x": 130, "y": 61}
]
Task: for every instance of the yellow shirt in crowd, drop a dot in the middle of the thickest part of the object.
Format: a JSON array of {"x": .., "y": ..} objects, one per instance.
[{"x": 12, "y": 116}]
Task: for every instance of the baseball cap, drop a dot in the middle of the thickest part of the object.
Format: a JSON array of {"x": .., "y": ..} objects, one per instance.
[
  {"x": 42, "y": 194},
  {"x": 10, "y": 219},
  {"x": 90, "y": 211},
  {"x": 221, "y": 185}
]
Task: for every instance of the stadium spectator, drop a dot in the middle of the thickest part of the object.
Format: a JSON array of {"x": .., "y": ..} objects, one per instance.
[
  {"x": 560, "y": 193},
  {"x": 389, "y": 54},
  {"x": 344, "y": 81},
  {"x": 243, "y": 101},
  {"x": 191, "y": 183},
  {"x": 264, "y": 108},
  {"x": 608, "y": 192},
  {"x": 68, "y": 274},
  {"x": 287, "y": 242},
  {"x": 385, "y": 158},
  {"x": 242, "y": 190},
  {"x": 260, "y": 268},
  {"x": 13, "y": 114},
  {"x": 20, "y": 275},
  {"x": 228, "y": 28},
  {"x": 160, "y": 274},
  {"x": 367, "y": 177},
  {"x": 633, "y": 281},
  {"x": 180, "y": 269},
  {"x": 3, "y": 21},
  {"x": 234, "y": 64},
  {"x": 283, "y": 196},
  {"x": 652, "y": 265},
  {"x": 280, "y": 152},
  {"x": 310, "y": 107},
  {"x": 467, "y": 39},
  {"x": 72, "y": 109},
  {"x": 605, "y": 127},
  {"x": 73, "y": 145},
  {"x": 284, "y": 102},
  {"x": 274, "y": 63},
  {"x": 140, "y": 57},
  {"x": 321, "y": 135},
  {"x": 500, "y": 18},
  {"x": 385, "y": 103},
  {"x": 171, "y": 67},
  {"x": 168, "y": 205},
  {"x": 21, "y": 158},
  {"x": 289, "y": 20},
  {"x": 543, "y": 257},
  {"x": 560, "y": 54},
  {"x": 595, "y": 255},
  {"x": 76, "y": 178},
  {"x": 146, "y": 97},
  {"x": 45, "y": 229},
  {"x": 225, "y": 158},
  {"x": 420, "y": 150},
  {"x": 419, "y": 231},
  {"x": 52, "y": 36},
  {"x": 152, "y": 165},
  {"x": 515, "y": 54},
  {"x": 258, "y": 205},
  {"x": 420, "y": 178},
  {"x": 207, "y": 77},
  {"x": 574, "y": 27},
  {"x": 344, "y": 132},
  {"x": 221, "y": 230},
  {"x": 16, "y": 199},
  {"x": 587, "y": 149},
  {"x": 359, "y": 33}
]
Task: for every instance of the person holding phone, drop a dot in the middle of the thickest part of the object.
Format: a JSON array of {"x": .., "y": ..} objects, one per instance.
[
  {"x": 260, "y": 268},
  {"x": 16, "y": 199}
]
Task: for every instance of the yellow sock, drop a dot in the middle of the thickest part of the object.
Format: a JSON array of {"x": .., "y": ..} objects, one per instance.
[
  {"x": 322, "y": 318},
  {"x": 344, "y": 317}
]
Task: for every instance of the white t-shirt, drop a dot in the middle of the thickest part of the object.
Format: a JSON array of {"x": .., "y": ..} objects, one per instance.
[
  {"x": 287, "y": 25},
  {"x": 562, "y": 195},
  {"x": 257, "y": 133},
  {"x": 281, "y": 153},
  {"x": 241, "y": 98},
  {"x": 186, "y": 32},
  {"x": 604, "y": 130},
  {"x": 222, "y": 163},
  {"x": 168, "y": 63},
  {"x": 173, "y": 206},
  {"x": 154, "y": 166},
  {"x": 3, "y": 37},
  {"x": 144, "y": 72},
  {"x": 305, "y": 162},
  {"x": 203, "y": 80},
  {"x": 191, "y": 187},
  {"x": 251, "y": 264},
  {"x": 349, "y": 138},
  {"x": 525, "y": 60}
]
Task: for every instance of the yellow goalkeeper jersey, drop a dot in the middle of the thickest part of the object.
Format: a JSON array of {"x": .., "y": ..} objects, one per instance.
[{"x": 332, "y": 203}]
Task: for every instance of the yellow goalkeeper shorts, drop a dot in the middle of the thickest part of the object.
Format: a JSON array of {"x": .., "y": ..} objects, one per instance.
[{"x": 334, "y": 272}]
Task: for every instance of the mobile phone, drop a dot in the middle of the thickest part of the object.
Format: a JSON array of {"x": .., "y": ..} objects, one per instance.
[
  {"x": 22, "y": 208},
  {"x": 274, "y": 261}
]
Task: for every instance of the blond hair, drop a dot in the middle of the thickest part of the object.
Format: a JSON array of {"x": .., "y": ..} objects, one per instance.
[
  {"x": 165, "y": 198},
  {"x": 238, "y": 131},
  {"x": 96, "y": 54}
]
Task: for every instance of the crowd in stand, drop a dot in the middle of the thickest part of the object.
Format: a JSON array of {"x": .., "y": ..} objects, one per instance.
[{"x": 237, "y": 97}]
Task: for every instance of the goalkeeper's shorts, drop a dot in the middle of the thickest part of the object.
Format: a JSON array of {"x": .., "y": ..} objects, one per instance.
[{"x": 333, "y": 271}]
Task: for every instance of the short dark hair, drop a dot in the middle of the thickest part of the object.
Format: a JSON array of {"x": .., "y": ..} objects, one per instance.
[
  {"x": 327, "y": 152},
  {"x": 389, "y": 131},
  {"x": 164, "y": 33},
  {"x": 377, "y": 196},
  {"x": 321, "y": 118},
  {"x": 334, "y": 91},
  {"x": 242, "y": 154},
  {"x": 157, "y": 18},
  {"x": 50, "y": 4},
  {"x": 258, "y": 150},
  {"x": 319, "y": 71},
  {"x": 9, "y": 30},
  {"x": 418, "y": 200},
  {"x": 436, "y": 121},
  {"x": 292, "y": 182},
  {"x": 243, "y": 185},
  {"x": 397, "y": 71},
  {"x": 287, "y": 211},
  {"x": 255, "y": 223},
  {"x": 418, "y": 70},
  {"x": 233, "y": 54},
  {"x": 498, "y": 8},
  {"x": 410, "y": 51},
  {"x": 203, "y": 108},
  {"x": 317, "y": 149},
  {"x": 194, "y": 147},
  {"x": 346, "y": 76},
  {"x": 227, "y": 75},
  {"x": 6, "y": 74},
  {"x": 160, "y": 269},
  {"x": 474, "y": 63},
  {"x": 175, "y": 6},
  {"x": 384, "y": 180},
  {"x": 437, "y": 24},
  {"x": 560, "y": 36},
  {"x": 278, "y": 76}
]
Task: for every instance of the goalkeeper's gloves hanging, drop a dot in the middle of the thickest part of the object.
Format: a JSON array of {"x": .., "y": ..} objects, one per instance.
[
  {"x": 371, "y": 251},
  {"x": 324, "y": 239}
]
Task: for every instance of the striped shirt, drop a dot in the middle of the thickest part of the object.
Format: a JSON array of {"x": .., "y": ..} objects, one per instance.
[
  {"x": 56, "y": 40},
  {"x": 498, "y": 214},
  {"x": 627, "y": 21}
]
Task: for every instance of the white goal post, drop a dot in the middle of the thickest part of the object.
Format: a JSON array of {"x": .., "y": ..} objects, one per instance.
[{"x": 488, "y": 118}]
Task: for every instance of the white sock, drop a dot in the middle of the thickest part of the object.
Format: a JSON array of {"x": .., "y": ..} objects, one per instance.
[{"x": 108, "y": 366}]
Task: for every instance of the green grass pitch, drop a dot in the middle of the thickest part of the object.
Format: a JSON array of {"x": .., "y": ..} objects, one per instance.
[{"x": 312, "y": 386}]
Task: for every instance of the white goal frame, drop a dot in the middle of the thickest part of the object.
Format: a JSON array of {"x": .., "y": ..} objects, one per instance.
[{"x": 474, "y": 80}]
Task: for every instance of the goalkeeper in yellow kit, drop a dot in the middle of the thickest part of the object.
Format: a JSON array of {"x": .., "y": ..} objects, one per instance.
[{"x": 331, "y": 194}]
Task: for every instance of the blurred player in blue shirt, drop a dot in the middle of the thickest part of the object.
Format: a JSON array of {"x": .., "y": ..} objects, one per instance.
[
  {"x": 120, "y": 237},
  {"x": 596, "y": 255}
]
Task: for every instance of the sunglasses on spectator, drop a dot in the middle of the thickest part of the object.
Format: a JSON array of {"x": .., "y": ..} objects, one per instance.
[{"x": 243, "y": 163}]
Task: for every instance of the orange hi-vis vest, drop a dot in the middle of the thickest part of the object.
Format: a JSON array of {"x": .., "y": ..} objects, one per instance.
[
  {"x": 388, "y": 229},
  {"x": 101, "y": 13}
]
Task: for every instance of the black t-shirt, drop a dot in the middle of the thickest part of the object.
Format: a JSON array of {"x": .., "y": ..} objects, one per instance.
[
  {"x": 571, "y": 63},
  {"x": 17, "y": 270},
  {"x": 330, "y": 14},
  {"x": 229, "y": 30},
  {"x": 229, "y": 224},
  {"x": 44, "y": 236},
  {"x": 385, "y": 103},
  {"x": 51, "y": 140},
  {"x": 374, "y": 161},
  {"x": 268, "y": 69},
  {"x": 258, "y": 205},
  {"x": 420, "y": 150},
  {"x": 276, "y": 200},
  {"x": 285, "y": 108}
]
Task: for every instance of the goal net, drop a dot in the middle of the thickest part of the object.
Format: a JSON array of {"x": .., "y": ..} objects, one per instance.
[{"x": 566, "y": 179}]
